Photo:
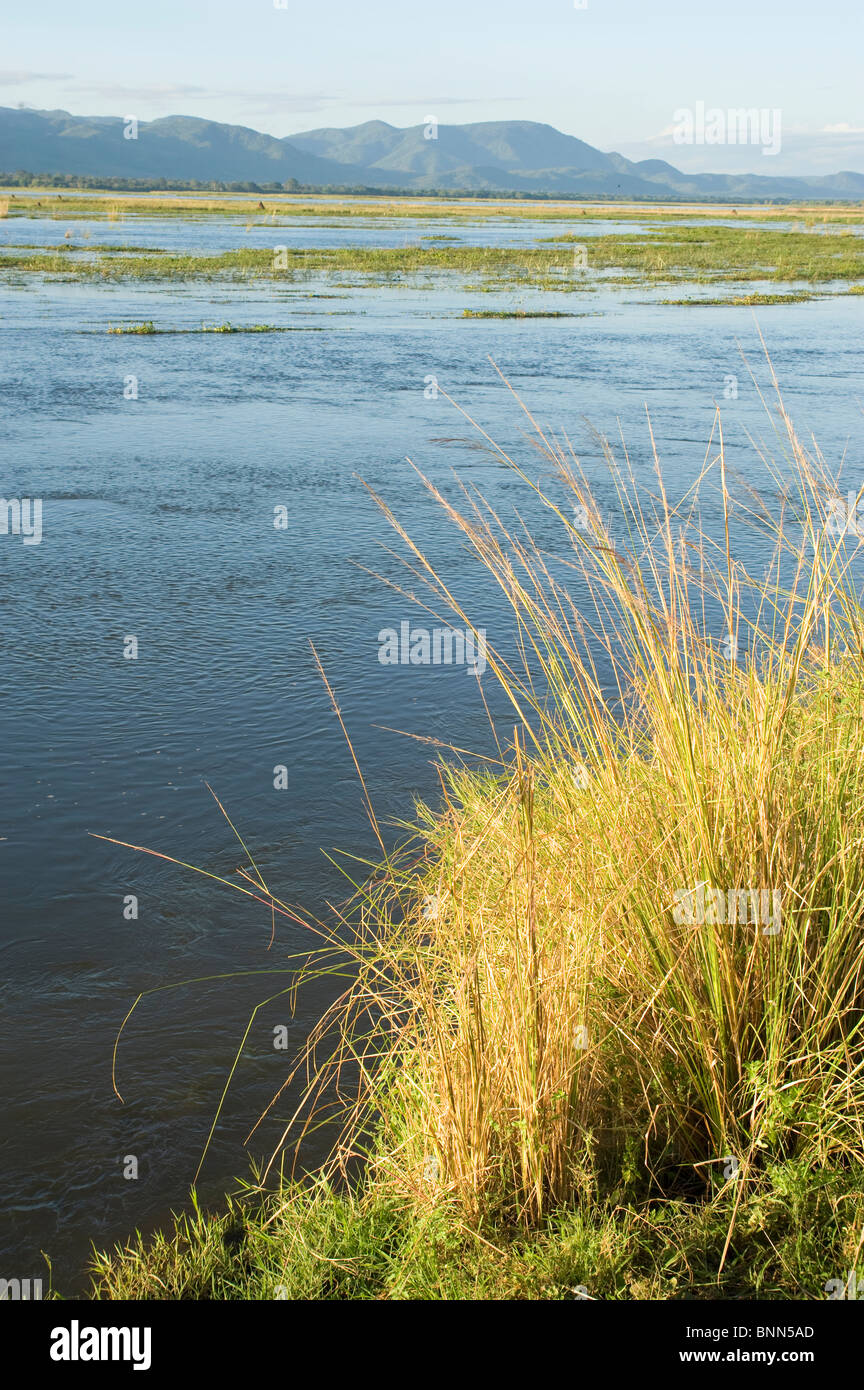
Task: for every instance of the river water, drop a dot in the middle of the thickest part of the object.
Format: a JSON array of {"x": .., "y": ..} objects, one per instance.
[{"x": 159, "y": 524}]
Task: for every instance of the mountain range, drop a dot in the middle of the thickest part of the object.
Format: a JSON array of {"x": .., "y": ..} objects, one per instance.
[{"x": 489, "y": 156}]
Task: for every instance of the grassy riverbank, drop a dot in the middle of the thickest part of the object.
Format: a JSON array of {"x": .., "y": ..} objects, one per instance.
[
  {"x": 604, "y": 1021},
  {"x": 790, "y": 1238}
]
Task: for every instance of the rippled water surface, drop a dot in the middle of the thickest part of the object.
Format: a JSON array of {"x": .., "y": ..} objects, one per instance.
[{"x": 158, "y": 523}]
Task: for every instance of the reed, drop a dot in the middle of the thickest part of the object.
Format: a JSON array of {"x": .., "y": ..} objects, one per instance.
[
  {"x": 626, "y": 955},
  {"x": 547, "y": 993}
]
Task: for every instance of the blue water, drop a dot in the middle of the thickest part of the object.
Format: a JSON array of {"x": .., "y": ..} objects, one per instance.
[{"x": 158, "y": 523}]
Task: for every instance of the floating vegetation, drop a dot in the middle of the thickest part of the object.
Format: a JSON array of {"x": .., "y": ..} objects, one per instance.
[
  {"x": 240, "y": 328},
  {"x": 800, "y": 297},
  {"x": 518, "y": 314},
  {"x": 149, "y": 327}
]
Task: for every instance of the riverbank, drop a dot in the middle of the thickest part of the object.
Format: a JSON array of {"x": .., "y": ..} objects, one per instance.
[
  {"x": 793, "y": 1240},
  {"x": 604, "y": 1017}
]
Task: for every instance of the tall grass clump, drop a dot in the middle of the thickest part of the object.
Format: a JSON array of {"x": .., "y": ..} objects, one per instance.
[
  {"x": 623, "y": 960},
  {"x": 634, "y": 944}
]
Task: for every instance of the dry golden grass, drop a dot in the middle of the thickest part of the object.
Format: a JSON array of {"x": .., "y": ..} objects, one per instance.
[
  {"x": 542, "y": 1000},
  {"x": 526, "y": 1005}
]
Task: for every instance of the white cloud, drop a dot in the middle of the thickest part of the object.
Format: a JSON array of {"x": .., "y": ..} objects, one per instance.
[
  {"x": 412, "y": 103},
  {"x": 169, "y": 94},
  {"x": 10, "y": 77},
  {"x": 157, "y": 91}
]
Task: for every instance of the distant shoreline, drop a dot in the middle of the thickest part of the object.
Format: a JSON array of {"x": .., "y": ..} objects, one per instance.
[{"x": 84, "y": 183}]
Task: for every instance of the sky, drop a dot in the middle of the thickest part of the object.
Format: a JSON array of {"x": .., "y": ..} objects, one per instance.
[{"x": 613, "y": 73}]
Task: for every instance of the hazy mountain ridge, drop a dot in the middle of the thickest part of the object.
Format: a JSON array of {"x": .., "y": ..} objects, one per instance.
[
  {"x": 175, "y": 147},
  {"x": 503, "y": 156}
]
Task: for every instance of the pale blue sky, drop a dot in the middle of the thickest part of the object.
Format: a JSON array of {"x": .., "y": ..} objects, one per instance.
[{"x": 613, "y": 73}]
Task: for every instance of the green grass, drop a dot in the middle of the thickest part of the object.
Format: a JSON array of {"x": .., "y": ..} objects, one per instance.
[
  {"x": 93, "y": 247},
  {"x": 374, "y": 264},
  {"x": 316, "y": 1242},
  {"x": 673, "y": 254},
  {"x": 708, "y": 254}
]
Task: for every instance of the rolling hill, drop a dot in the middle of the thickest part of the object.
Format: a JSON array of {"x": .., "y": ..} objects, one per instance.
[{"x": 489, "y": 156}]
